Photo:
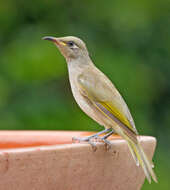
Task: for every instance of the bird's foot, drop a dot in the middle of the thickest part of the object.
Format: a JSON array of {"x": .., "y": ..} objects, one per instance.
[
  {"x": 88, "y": 139},
  {"x": 104, "y": 139},
  {"x": 96, "y": 138},
  {"x": 106, "y": 142}
]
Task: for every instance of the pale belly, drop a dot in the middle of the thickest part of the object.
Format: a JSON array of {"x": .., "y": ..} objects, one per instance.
[{"x": 88, "y": 107}]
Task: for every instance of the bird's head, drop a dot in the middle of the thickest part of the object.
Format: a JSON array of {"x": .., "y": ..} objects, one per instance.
[{"x": 71, "y": 47}]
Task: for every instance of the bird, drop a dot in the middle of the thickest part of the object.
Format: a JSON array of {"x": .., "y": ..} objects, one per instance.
[{"x": 98, "y": 97}]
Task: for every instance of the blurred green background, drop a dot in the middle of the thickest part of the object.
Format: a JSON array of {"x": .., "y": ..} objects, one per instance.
[{"x": 128, "y": 40}]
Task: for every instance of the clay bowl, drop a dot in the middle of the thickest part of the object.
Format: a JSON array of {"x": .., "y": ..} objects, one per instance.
[{"x": 47, "y": 160}]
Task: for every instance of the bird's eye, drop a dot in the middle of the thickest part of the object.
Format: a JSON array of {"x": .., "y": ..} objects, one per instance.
[{"x": 70, "y": 43}]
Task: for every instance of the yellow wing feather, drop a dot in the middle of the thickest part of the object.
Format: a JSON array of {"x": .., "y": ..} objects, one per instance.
[{"x": 117, "y": 114}]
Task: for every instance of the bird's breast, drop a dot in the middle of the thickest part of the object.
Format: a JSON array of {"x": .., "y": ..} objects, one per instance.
[{"x": 81, "y": 100}]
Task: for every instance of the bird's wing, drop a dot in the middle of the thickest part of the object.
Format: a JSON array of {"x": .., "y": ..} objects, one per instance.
[{"x": 99, "y": 89}]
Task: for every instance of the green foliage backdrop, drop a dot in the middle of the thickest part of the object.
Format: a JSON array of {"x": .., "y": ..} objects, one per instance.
[{"x": 128, "y": 40}]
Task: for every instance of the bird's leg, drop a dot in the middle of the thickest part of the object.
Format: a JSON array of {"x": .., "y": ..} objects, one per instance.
[
  {"x": 93, "y": 145},
  {"x": 108, "y": 134},
  {"x": 90, "y": 139},
  {"x": 104, "y": 139}
]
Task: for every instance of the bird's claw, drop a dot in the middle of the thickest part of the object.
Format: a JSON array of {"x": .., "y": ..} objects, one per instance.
[
  {"x": 107, "y": 145},
  {"x": 93, "y": 145},
  {"x": 96, "y": 138},
  {"x": 75, "y": 139},
  {"x": 92, "y": 141},
  {"x": 105, "y": 141},
  {"x": 86, "y": 139}
]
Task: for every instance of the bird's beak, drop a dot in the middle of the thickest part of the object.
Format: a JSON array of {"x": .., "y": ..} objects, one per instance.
[{"x": 57, "y": 41}]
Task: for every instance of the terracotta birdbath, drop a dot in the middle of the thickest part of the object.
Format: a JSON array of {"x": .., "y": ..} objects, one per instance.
[{"x": 34, "y": 160}]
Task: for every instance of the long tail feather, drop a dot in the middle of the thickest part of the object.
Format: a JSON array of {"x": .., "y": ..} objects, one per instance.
[
  {"x": 143, "y": 160},
  {"x": 133, "y": 154}
]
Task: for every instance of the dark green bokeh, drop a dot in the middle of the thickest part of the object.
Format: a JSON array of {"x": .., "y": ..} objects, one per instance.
[{"x": 128, "y": 40}]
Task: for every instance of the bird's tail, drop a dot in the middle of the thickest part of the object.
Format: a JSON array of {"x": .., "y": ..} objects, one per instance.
[{"x": 141, "y": 159}]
